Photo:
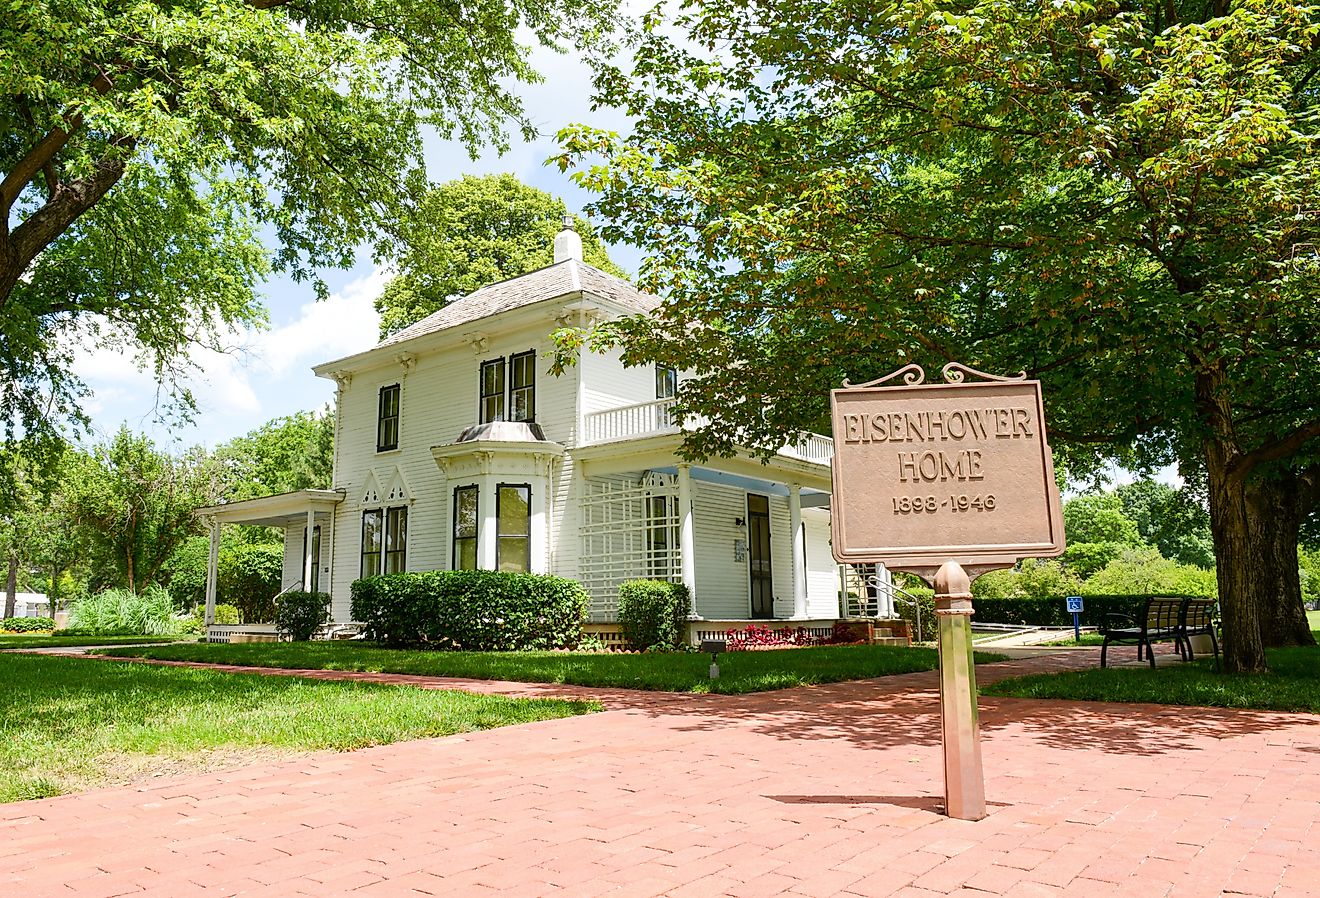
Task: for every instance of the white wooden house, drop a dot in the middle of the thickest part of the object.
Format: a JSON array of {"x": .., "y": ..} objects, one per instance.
[{"x": 455, "y": 448}]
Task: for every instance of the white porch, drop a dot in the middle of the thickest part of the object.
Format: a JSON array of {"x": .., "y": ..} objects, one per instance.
[
  {"x": 311, "y": 509},
  {"x": 749, "y": 540}
]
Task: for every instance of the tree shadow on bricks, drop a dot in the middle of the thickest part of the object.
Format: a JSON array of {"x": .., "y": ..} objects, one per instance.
[{"x": 890, "y": 721}]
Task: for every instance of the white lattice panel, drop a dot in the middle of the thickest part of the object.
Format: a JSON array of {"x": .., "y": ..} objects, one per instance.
[{"x": 629, "y": 531}]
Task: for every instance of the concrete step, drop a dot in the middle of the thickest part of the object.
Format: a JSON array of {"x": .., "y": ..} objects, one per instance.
[{"x": 888, "y": 640}]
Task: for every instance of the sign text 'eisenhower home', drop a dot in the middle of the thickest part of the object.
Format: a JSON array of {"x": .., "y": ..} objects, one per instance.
[{"x": 916, "y": 466}]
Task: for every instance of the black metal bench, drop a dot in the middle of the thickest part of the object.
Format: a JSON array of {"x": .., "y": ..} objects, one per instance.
[
  {"x": 1160, "y": 621},
  {"x": 1198, "y": 619}
]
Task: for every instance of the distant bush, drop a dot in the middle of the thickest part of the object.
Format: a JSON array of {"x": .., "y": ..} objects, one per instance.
[
  {"x": 653, "y": 614},
  {"x": 120, "y": 611},
  {"x": 471, "y": 610},
  {"x": 1142, "y": 571},
  {"x": 26, "y": 624},
  {"x": 1031, "y": 578},
  {"x": 224, "y": 614},
  {"x": 249, "y": 579},
  {"x": 298, "y": 615},
  {"x": 247, "y": 576},
  {"x": 905, "y": 609}
]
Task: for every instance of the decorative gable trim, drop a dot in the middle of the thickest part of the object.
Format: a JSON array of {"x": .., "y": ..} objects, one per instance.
[
  {"x": 389, "y": 487},
  {"x": 370, "y": 494}
]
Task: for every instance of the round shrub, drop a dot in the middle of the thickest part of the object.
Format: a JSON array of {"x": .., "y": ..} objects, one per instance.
[
  {"x": 298, "y": 614},
  {"x": 653, "y": 614}
]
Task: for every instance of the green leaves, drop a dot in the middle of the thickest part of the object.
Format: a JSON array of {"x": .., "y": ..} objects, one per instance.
[
  {"x": 144, "y": 145},
  {"x": 471, "y": 232}
]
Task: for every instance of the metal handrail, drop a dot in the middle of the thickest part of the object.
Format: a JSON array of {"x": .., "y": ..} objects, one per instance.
[{"x": 914, "y": 601}]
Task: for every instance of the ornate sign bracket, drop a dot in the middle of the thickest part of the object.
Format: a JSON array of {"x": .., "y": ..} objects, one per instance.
[{"x": 953, "y": 373}]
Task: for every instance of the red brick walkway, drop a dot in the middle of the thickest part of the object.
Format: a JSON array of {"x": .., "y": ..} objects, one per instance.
[{"x": 822, "y": 791}]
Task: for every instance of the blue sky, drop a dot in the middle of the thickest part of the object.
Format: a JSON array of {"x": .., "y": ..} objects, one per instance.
[{"x": 268, "y": 373}]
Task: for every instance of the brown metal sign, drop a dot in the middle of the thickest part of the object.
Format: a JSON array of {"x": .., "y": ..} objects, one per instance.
[{"x": 928, "y": 473}]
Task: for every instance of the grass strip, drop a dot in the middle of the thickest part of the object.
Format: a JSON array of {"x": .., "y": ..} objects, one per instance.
[
  {"x": 68, "y": 724},
  {"x": 1292, "y": 684},
  {"x": 14, "y": 641},
  {"x": 740, "y": 672}
]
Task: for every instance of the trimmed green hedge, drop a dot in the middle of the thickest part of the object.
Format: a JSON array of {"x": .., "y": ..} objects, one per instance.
[
  {"x": 480, "y": 611},
  {"x": 1035, "y": 612},
  {"x": 26, "y": 624},
  {"x": 653, "y": 614},
  {"x": 1053, "y": 612}
]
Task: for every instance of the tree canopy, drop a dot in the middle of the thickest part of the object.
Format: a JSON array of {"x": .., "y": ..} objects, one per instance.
[
  {"x": 134, "y": 506},
  {"x": 471, "y": 232},
  {"x": 1116, "y": 197},
  {"x": 144, "y": 146},
  {"x": 293, "y": 452}
]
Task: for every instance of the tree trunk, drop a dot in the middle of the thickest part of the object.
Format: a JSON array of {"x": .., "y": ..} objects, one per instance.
[
  {"x": 1236, "y": 524},
  {"x": 11, "y": 586},
  {"x": 1281, "y": 504}
]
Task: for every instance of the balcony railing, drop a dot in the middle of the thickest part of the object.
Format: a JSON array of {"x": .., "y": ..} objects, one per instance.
[
  {"x": 628, "y": 422},
  {"x": 645, "y": 419}
]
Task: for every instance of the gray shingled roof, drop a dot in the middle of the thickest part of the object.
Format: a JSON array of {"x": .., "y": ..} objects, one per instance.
[{"x": 551, "y": 282}]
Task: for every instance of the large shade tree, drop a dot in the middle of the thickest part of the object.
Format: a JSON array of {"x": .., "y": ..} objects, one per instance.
[
  {"x": 145, "y": 144},
  {"x": 471, "y": 232},
  {"x": 1116, "y": 197}
]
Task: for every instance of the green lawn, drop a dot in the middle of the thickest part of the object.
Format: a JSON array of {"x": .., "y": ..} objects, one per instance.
[
  {"x": 1087, "y": 639},
  {"x": 1293, "y": 684},
  {"x": 740, "y": 672},
  {"x": 44, "y": 641},
  {"x": 68, "y": 724}
]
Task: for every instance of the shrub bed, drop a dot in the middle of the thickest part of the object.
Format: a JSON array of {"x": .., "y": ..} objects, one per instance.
[
  {"x": 486, "y": 611},
  {"x": 26, "y": 624},
  {"x": 759, "y": 636},
  {"x": 653, "y": 614}
]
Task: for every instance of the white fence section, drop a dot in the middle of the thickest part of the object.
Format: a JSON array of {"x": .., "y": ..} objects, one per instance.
[
  {"x": 631, "y": 421},
  {"x": 644, "y": 419},
  {"x": 629, "y": 531},
  {"x": 815, "y": 448}
]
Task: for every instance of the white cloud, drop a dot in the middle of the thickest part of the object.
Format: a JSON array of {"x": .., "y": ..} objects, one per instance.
[{"x": 266, "y": 374}]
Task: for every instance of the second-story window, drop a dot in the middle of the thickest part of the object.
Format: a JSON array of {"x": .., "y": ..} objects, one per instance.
[
  {"x": 522, "y": 386},
  {"x": 492, "y": 391},
  {"x": 666, "y": 382},
  {"x": 518, "y": 401},
  {"x": 387, "y": 420}
]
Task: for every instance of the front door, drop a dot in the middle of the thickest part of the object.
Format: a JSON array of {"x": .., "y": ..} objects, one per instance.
[{"x": 758, "y": 557}]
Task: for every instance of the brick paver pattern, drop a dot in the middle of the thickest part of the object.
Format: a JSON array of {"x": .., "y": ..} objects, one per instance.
[{"x": 825, "y": 791}]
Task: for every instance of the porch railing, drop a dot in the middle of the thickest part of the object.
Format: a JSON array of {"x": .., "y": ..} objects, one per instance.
[
  {"x": 644, "y": 419},
  {"x": 629, "y": 422}
]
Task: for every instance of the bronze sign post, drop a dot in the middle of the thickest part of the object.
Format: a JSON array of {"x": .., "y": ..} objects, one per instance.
[{"x": 929, "y": 478}]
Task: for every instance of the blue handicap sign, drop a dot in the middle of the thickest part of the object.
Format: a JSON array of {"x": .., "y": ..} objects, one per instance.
[{"x": 1075, "y": 605}]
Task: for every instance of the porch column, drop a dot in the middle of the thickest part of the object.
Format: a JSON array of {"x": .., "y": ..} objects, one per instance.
[
  {"x": 328, "y": 558},
  {"x": 307, "y": 550},
  {"x": 212, "y": 567},
  {"x": 686, "y": 543},
  {"x": 798, "y": 534}
]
